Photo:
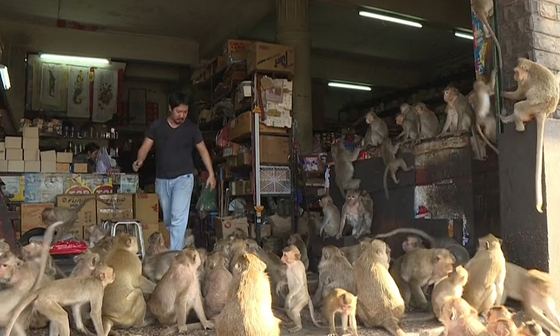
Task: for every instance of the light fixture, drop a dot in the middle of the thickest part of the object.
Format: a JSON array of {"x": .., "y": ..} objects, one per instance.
[
  {"x": 349, "y": 86},
  {"x": 5, "y": 77},
  {"x": 464, "y": 35},
  {"x": 390, "y": 19},
  {"x": 90, "y": 60}
]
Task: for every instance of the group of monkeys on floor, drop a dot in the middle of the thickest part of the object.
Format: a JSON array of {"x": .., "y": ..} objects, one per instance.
[{"x": 233, "y": 288}]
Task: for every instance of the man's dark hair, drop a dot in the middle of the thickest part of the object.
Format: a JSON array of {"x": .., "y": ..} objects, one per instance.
[
  {"x": 91, "y": 147},
  {"x": 178, "y": 98}
]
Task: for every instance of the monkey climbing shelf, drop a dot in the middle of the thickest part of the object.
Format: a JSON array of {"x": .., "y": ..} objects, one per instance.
[{"x": 6, "y": 217}]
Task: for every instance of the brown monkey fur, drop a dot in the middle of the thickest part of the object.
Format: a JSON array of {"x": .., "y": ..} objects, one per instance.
[
  {"x": 530, "y": 328},
  {"x": 75, "y": 292},
  {"x": 277, "y": 272},
  {"x": 500, "y": 322},
  {"x": 335, "y": 271},
  {"x": 94, "y": 234},
  {"x": 484, "y": 9},
  {"x": 331, "y": 218},
  {"x": 377, "y": 131},
  {"x": 449, "y": 287},
  {"x": 103, "y": 247},
  {"x": 216, "y": 284},
  {"x": 298, "y": 296},
  {"x": 248, "y": 311},
  {"x": 295, "y": 239},
  {"x": 85, "y": 264},
  {"x": 344, "y": 167},
  {"x": 392, "y": 163},
  {"x": 178, "y": 292},
  {"x": 156, "y": 244},
  {"x": 379, "y": 300},
  {"x": 410, "y": 123},
  {"x": 429, "y": 123},
  {"x": 352, "y": 253},
  {"x": 67, "y": 216},
  {"x": 485, "y": 120},
  {"x": 154, "y": 267},
  {"x": 123, "y": 302},
  {"x": 32, "y": 253},
  {"x": 4, "y": 247},
  {"x": 539, "y": 87},
  {"x": 239, "y": 246},
  {"x": 420, "y": 268},
  {"x": 460, "y": 319},
  {"x": 487, "y": 271},
  {"x": 340, "y": 301},
  {"x": 356, "y": 214}
]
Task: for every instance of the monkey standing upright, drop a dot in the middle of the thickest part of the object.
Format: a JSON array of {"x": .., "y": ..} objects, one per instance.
[
  {"x": 296, "y": 240},
  {"x": 331, "y": 218},
  {"x": 540, "y": 89},
  {"x": 344, "y": 167},
  {"x": 392, "y": 163},
  {"x": 340, "y": 301},
  {"x": 484, "y": 9}
]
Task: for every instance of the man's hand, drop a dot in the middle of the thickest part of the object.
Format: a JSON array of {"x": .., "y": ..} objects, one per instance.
[
  {"x": 138, "y": 164},
  {"x": 211, "y": 182}
]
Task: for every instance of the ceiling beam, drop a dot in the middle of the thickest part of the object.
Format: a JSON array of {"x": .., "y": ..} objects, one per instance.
[
  {"x": 38, "y": 38},
  {"x": 446, "y": 13}
]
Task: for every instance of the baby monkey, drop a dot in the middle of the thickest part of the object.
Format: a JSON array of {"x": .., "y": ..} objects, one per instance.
[
  {"x": 343, "y": 302},
  {"x": 500, "y": 322}
]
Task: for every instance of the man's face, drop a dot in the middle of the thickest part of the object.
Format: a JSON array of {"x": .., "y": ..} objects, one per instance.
[
  {"x": 179, "y": 113},
  {"x": 93, "y": 155}
]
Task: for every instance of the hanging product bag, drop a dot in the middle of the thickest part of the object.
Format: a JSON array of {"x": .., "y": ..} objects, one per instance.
[{"x": 103, "y": 161}]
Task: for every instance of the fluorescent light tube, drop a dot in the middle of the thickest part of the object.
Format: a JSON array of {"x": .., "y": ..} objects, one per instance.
[
  {"x": 5, "y": 77},
  {"x": 390, "y": 19},
  {"x": 349, "y": 86},
  {"x": 464, "y": 35},
  {"x": 75, "y": 58}
]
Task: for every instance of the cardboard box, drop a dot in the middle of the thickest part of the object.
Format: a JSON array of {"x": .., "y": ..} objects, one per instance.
[
  {"x": 274, "y": 149},
  {"x": 88, "y": 213},
  {"x": 2, "y": 154},
  {"x": 43, "y": 187},
  {"x": 31, "y": 215},
  {"x": 14, "y": 154},
  {"x": 48, "y": 166},
  {"x": 14, "y": 188},
  {"x": 127, "y": 183},
  {"x": 146, "y": 208},
  {"x": 12, "y": 142},
  {"x": 62, "y": 167},
  {"x": 266, "y": 230},
  {"x": 163, "y": 229},
  {"x": 63, "y": 157},
  {"x": 30, "y": 143},
  {"x": 115, "y": 206},
  {"x": 237, "y": 50},
  {"x": 227, "y": 225},
  {"x": 49, "y": 156},
  {"x": 16, "y": 166},
  {"x": 245, "y": 159},
  {"x": 232, "y": 150},
  {"x": 31, "y": 155},
  {"x": 270, "y": 57},
  {"x": 3, "y": 166},
  {"x": 243, "y": 126},
  {"x": 2, "y": 145},
  {"x": 32, "y": 166},
  {"x": 30, "y": 132},
  {"x": 80, "y": 167}
]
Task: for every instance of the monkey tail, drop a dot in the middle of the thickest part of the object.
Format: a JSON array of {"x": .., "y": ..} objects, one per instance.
[
  {"x": 18, "y": 310},
  {"x": 541, "y": 119},
  {"x": 385, "y": 181},
  {"x": 47, "y": 240},
  {"x": 497, "y": 43},
  {"x": 486, "y": 139},
  {"x": 406, "y": 230},
  {"x": 311, "y": 312}
]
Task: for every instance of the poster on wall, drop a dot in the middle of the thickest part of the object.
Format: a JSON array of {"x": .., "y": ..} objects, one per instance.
[
  {"x": 480, "y": 44},
  {"x": 52, "y": 85},
  {"x": 78, "y": 92},
  {"x": 137, "y": 100},
  {"x": 105, "y": 89}
]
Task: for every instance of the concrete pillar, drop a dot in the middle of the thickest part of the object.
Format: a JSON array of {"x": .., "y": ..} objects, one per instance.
[
  {"x": 529, "y": 28},
  {"x": 293, "y": 31}
]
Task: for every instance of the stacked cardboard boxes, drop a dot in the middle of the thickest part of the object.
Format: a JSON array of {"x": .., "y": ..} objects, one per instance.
[{"x": 13, "y": 155}]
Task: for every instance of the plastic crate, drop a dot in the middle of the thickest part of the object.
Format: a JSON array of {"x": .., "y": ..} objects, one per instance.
[{"x": 276, "y": 180}]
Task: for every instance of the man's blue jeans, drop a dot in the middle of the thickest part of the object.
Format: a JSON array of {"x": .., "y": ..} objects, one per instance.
[{"x": 175, "y": 200}]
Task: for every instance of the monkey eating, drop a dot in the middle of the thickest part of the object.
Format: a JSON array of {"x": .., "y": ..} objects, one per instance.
[
  {"x": 298, "y": 296},
  {"x": 392, "y": 163},
  {"x": 429, "y": 123},
  {"x": 331, "y": 218},
  {"x": 75, "y": 292},
  {"x": 540, "y": 89},
  {"x": 343, "y": 302},
  {"x": 356, "y": 215},
  {"x": 377, "y": 131},
  {"x": 485, "y": 121},
  {"x": 344, "y": 167},
  {"x": 409, "y": 122},
  {"x": 484, "y": 9},
  {"x": 335, "y": 271}
]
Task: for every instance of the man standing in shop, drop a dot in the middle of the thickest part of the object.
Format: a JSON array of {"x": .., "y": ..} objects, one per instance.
[{"x": 175, "y": 139}]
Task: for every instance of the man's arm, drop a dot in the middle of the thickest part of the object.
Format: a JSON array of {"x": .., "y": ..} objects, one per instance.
[
  {"x": 206, "y": 159},
  {"x": 142, "y": 153}
]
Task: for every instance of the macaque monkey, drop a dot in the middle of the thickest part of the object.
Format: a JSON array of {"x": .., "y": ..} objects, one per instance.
[
  {"x": 276, "y": 270},
  {"x": 420, "y": 268},
  {"x": 296, "y": 240},
  {"x": 344, "y": 167},
  {"x": 459, "y": 252},
  {"x": 335, "y": 271},
  {"x": 103, "y": 246},
  {"x": 392, "y": 163},
  {"x": 487, "y": 272},
  {"x": 95, "y": 234},
  {"x": 379, "y": 300},
  {"x": 484, "y": 9},
  {"x": 331, "y": 218},
  {"x": 86, "y": 262},
  {"x": 123, "y": 302},
  {"x": 500, "y": 322},
  {"x": 530, "y": 328},
  {"x": 460, "y": 319},
  {"x": 298, "y": 296},
  {"x": 534, "y": 289},
  {"x": 156, "y": 244},
  {"x": 217, "y": 282},
  {"x": 239, "y": 246},
  {"x": 356, "y": 215},
  {"x": 178, "y": 292},
  {"x": 449, "y": 287},
  {"x": 75, "y": 292},
  {"x": 352, "y": 253},
  {"x": 429, "y": 123},
  {"x": 154, "y": 267},
  {"x": 189, "y": 238},
  {"x": 32, "y": 253},
  {"x": 67, "y": 216},
  {"x": 340, "y": 301},
  {"x": 377, "y": 131},
  {"x": 248, "y": 311},
  {"x": 540, "y": 89},
  {"x": 480, "y": 101},
  {"x": 410, "y": 123}
]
